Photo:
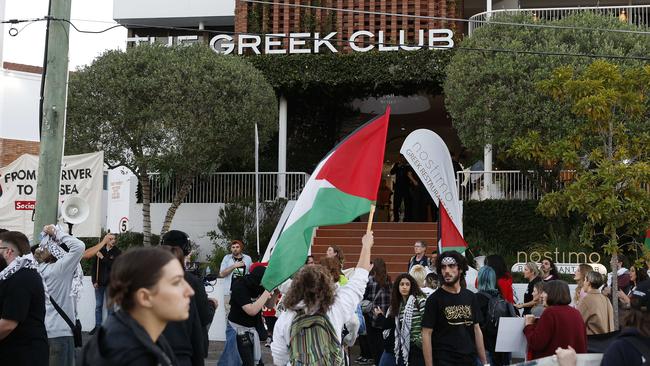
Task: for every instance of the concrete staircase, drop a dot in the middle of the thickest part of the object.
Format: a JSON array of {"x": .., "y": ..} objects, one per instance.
[{"x": 393, "y": 242}]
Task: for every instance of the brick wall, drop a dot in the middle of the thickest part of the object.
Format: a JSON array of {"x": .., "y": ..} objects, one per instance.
[
  {"x": 263, "y": 18},
  {"x": 10, "y": 150}
]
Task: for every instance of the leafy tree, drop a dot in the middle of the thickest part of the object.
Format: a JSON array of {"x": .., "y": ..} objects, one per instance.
[
  {"x": 492, "y": 97},
  {"x": 609, "y": 153},
  {"x": 180, "y": 111}
]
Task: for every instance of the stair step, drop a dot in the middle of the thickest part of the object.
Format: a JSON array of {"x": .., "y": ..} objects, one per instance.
[
  {"x": 379, "y": 233},
  {"x": 376, "y": 251},
  {"x": 393, "y": 242},
  {"x": 406, "y": 242},
  {"x": 387, "y": 226}
]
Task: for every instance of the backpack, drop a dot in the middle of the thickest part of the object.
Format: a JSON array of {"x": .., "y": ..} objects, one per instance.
[
  {"x": 497, "y": 308},
  {"x": 313, "y": 341}
]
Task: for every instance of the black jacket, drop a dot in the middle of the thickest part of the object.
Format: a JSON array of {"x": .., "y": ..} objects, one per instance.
[
  {"x": 105, "y": 265},
  {"x": 122, "y": 341},
  {"x": 186, "y": 337},
  {"x": 204, "y": 308},
  {"x": 388, "y": 323}
]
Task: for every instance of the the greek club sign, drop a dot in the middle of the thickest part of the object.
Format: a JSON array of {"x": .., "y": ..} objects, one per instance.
[{"x": 296, "y": 43}]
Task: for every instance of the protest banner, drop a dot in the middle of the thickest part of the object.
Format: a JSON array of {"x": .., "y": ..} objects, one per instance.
[
  {"x": 81, "y": 176},
  {"x": 510, "y": 337}
]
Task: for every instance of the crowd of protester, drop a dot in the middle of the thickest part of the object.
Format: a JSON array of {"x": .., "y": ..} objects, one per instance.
[{"x": 158, "y": 313}]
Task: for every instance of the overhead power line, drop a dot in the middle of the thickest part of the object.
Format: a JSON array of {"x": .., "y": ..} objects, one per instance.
[
  {"x": 345, "y": 41},
  {"x": 392, "y": 44}
]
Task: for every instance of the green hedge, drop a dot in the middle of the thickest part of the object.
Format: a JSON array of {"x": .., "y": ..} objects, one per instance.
[
  {"x": 500, "y": 226},
  {"x": 507, "y": 226},
  {"x": 356, "y": 74}
]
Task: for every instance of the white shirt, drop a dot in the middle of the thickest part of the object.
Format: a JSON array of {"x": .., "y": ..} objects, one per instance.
[
  {"x": 228, "y": 261},
  {"x": 345, "y": 303}
]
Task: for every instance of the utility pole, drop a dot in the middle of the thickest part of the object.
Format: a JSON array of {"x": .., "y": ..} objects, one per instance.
[{"x": 53, "y": 116}]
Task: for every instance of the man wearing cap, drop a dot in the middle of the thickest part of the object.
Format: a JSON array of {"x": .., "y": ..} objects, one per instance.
[
  {"x": 205, "y": 306},
  {"x": 234, "y": 266}
]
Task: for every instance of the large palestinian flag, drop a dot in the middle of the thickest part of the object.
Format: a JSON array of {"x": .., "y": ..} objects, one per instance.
[{"x": 343, "y": 187}]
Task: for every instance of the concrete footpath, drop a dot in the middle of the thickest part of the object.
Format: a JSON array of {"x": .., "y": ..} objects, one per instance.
[{"x": 216, "y": 348}]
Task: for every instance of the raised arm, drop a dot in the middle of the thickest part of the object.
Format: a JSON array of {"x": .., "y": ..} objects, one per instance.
[
  {"x": 92, "y": 251},
  {"x": 71, "y": 258},
  {"x": 254, "y": 308},
  {"x": 366, "y": 246}
]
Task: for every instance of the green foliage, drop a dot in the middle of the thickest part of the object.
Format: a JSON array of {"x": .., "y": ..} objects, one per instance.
[
  {"x": 502, "y": 226},
  {"x": 356, "y": 74},
  {"x": 237, "y": 222},
  {"x": 609, "y": 149},
  {"x": 506, "y": 227},
  {"x": 492, "y": 96},
  {"x": 215, "y": 258},
  {"x": 180, "y": 111},
  {"x": 175, "y": 109},
  {"x": 610, "y": 185}
]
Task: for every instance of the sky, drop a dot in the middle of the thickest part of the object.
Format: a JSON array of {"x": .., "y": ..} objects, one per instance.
[{"x": 28, "y": 46}]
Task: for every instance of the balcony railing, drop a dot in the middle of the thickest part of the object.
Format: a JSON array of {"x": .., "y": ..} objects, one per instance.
[
  {"x": 506, "y": 185},
  {"x": 502, "y": 184},
  {"x": 229, "y": 187},
  {"x": 633, "y": 14}
]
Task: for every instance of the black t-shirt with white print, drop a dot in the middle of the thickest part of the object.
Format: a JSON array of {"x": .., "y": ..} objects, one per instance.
[{"x": 452, "y": 318}]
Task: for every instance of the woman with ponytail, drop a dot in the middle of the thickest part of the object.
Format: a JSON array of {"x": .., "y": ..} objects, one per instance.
[{"x": 149, "y": 288}]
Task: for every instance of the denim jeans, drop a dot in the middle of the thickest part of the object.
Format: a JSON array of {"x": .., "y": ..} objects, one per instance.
[
  {"x": 100, "y": 293},
  {"x": 387, "y": 359},
  {"x": 61, "y": 351},
  {"x": 230, "y": 355}
]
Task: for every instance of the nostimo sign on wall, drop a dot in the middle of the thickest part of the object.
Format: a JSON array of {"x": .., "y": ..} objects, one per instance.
[{"x": 294, "y": 43}]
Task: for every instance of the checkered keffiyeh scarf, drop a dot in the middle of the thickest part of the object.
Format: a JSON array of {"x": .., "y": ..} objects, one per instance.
[
  {"x": 403, "y": 331},
  {"x": 52, "y": 245},
  {"x": 24, "y": 261}
]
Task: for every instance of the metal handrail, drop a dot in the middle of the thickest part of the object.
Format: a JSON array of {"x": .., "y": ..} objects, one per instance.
[
  {"x": 636, "y": 14},
  {"x": 227, "y": 187},
  {"x": 507, "y": 184},
  {"x": 501, "y": 184}
]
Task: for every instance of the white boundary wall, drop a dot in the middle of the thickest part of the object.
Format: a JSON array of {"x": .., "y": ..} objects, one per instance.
[
  {"x": 195, "y": 219},
  {"x": 86, "y": 309}
]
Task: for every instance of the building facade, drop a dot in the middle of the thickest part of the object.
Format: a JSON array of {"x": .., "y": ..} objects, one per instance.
[{"x": 350, "y": 16}]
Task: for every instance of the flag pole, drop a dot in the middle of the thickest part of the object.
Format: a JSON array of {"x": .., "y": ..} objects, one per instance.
[
  {"x": 257, "y": 190},
  {"x": 372, "y": 214}
]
